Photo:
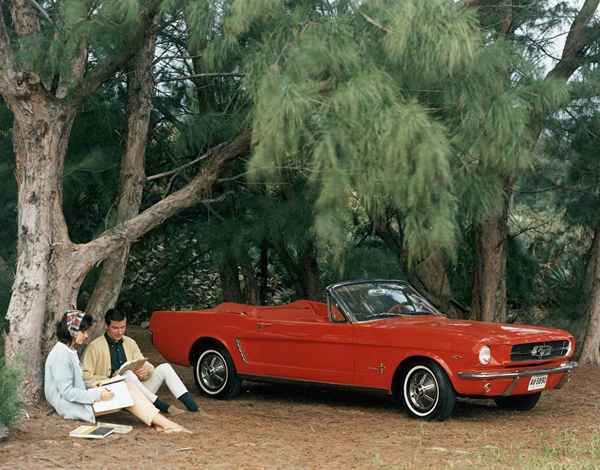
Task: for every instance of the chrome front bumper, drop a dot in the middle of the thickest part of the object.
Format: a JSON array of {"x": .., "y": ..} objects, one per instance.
[{"x": 517, "y": 374}]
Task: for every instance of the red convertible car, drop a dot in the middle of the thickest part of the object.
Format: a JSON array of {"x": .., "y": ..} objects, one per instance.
[{"x": 377, "y": 335}]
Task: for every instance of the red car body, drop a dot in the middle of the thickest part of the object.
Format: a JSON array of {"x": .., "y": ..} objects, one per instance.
[{"x": 304, "y": 341}]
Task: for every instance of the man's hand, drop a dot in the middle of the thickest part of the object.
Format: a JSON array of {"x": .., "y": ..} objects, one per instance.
[
  {"x": 142, "y": 373},
  {"x": 106, "y": 395}
]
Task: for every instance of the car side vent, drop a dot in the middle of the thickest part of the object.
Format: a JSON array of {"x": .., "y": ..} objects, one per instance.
[{"x": 539, "y": 351}]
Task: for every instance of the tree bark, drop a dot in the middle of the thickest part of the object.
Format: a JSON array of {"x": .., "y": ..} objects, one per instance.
[
  {"x": 590, "y": 353},
  {"x": 263, "y": 273},
  {"x": 131, "y": 182},
  {"x": 309, "y": 267},
  {"x": 230, "y": 280},
  {"x": 40, "y": 137},
  {"x": 431, "y": 277},
  {"x": 251, "y": 288},
  {"x": 489, "y": 284}
]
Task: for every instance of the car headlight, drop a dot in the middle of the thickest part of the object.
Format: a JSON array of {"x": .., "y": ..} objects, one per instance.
[{"x": 485, "y": 355}]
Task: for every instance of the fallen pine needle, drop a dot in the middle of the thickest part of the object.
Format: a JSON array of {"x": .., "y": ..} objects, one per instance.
[
  {"x": 48, "y": 459},
  {"x": 184, "y": 448}
]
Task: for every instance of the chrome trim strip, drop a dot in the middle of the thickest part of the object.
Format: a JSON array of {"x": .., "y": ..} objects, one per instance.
[
  {"x": 565, "y": 367},
  {"x": 242, "y": 352}
]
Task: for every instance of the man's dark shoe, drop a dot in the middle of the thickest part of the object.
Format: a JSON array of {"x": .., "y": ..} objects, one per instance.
[{"x": 188, "y": 401}]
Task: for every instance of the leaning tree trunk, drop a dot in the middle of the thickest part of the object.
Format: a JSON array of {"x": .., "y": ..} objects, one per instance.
[
  {"x": 590, "y": 353},
  {"x": 40, "y": 140},
  {"x": 489, "y": 283},
  {"x": 131, "y": 184}
]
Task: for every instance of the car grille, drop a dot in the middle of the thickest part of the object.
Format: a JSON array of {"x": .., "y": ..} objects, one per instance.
[{"x": 539, "y": 351}]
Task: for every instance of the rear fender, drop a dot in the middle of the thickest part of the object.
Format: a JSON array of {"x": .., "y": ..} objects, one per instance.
[{"x": 206, "y": 342}]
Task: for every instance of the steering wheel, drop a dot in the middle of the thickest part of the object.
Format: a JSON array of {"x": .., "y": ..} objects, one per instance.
[{"x": 398, "y": 308}]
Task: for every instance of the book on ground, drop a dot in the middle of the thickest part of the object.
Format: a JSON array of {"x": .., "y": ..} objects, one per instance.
[
  {"x": 121, "y": 398},
  {"x": 117, "y": 428},
  {"x": 131, "y": 365},
  {"x": 95, "y": 431}
]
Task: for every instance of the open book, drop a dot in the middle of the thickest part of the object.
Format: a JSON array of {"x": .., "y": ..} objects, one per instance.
[
  {"x": 131, "y": 365},
  {"x": 121, "y": 396},
  {"x": 93, "y": 431}
]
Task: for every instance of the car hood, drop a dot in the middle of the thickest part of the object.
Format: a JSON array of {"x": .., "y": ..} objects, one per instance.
[{"x": 491, "y": 333}]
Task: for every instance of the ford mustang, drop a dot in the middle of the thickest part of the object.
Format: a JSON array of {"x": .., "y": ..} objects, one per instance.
[{"x": 378, "y": 335}]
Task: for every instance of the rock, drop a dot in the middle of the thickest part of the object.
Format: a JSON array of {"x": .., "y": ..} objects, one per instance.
[{"x": 3, "y": 432}]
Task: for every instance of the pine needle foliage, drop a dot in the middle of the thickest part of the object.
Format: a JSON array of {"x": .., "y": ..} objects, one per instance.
[
  {"x": 10, "y": 405},
  {"x": 103, "y": 26},
  {"x": 400, "y": 104}
]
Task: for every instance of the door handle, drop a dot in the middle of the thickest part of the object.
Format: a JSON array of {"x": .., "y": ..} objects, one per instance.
[{"x": 262, "y": 325}]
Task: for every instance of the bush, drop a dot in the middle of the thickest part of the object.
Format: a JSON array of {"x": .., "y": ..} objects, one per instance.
[{"x": 10, "y": 405}]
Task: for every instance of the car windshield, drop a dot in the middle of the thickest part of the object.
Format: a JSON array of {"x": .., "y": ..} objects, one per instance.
[{"x": 373, "y": 300}]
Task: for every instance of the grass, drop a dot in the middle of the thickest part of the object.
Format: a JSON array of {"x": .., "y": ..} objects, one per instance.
[{"x": 565, "y": 451}]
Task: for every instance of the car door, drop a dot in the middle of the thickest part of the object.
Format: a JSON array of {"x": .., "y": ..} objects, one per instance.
[{"x": 301, "y": 350}]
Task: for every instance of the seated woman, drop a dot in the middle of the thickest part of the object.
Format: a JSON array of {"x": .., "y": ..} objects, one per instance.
[{"x": 64, "y": 386}]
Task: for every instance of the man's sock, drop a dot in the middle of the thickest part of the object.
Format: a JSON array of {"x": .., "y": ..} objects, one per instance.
[
  {"x": 188, "y": 401},
  {"x": 161, "y": 405}
]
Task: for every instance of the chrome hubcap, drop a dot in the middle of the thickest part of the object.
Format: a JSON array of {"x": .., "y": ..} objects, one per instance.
[
  {"x": 422, "y": 390},
  {"x": 213, "y": 372}
]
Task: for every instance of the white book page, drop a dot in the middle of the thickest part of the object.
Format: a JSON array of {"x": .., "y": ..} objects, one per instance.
[{"x": 121, "y": 397}]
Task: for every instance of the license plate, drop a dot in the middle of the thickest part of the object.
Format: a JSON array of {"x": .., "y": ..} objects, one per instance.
[{"x": 537, "y": 382}]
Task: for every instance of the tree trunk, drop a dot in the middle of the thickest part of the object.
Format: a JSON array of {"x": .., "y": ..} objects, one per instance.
[
  {"x": 431, "y": 277},
  {"x": 489, "y": 277},
  {"x": 131, "y": 184},
  {"x": 40, "y": 139},
  {"x": 230, "y": 280},
  {"x": 590, "y": 353},
  {"x": 263, "y": 273},
  {"x": 251, "y": 287},
  {"x": 309, "y": 267}
]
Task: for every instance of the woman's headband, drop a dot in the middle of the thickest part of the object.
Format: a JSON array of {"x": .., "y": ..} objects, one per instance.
[{"x": 74, "y": 318}]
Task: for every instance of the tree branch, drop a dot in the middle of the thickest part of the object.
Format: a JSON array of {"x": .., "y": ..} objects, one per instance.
[
  {"x": 194, "y": 191},
  {"x": 203, "y": 75},
  {"x": 43, "y": 12},
  {"x": 578, "y": 39},
  {"x": 107, "y": 68},
  {"x": 186, "y": 165},
  {"x": 7, "y": 62},
  {"x": 375, "y": 23}
]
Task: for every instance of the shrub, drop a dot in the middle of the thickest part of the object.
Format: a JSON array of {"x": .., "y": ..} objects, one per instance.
[{"x": 10, "y": 405}]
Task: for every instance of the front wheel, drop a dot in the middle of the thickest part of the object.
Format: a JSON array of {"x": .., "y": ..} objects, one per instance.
[
  {"x": 427, "y": 392},
  {"x": 215, "y": 375},
  {"x": 518, "y": 402}
]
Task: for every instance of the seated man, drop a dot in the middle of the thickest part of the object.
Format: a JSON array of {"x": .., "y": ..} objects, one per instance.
[{"x": 107, "y": 353}]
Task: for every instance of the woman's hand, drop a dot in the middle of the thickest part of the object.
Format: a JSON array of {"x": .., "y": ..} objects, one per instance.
[{"x": 106, "y": 395}]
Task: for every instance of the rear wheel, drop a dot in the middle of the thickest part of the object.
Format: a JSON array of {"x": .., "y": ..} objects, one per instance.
[
  {"x": 215, "y": 375},
  {"x": 518, "y": 402},
  {"x": 427, "y": 391}
]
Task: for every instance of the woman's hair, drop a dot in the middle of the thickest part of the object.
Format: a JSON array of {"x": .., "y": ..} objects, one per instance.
[{"x": 62, "y": 330}]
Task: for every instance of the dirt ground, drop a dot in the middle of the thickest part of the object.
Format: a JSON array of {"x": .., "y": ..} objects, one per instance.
[{"x": 274, "y": 426}]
